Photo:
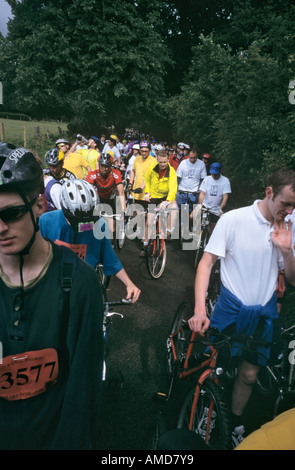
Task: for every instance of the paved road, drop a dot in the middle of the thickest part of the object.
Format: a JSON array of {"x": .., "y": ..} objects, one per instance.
[
  {"x": 136, "y": 350},
  {"x": 136, "y": 346}
]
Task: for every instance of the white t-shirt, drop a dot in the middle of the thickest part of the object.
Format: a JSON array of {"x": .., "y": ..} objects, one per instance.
[
  {"x": 113, "y": 149},
  {"x": 191, "y": 174},
  {"x": 249, "y": 259},
  {"x": 214, "y": 191},
  {"x": 130, "y": 166}
]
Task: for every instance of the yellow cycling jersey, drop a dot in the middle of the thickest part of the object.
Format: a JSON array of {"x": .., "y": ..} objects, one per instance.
[
  {"x": 91, "y": 156},
  {"x": 161, "y": 187},
  {"x": 76, "y": 164}
]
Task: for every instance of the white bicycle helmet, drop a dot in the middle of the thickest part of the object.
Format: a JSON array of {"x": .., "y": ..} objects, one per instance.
[{"x": 78, "y": 199}]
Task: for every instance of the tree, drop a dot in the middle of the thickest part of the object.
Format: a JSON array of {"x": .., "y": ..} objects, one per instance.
[
  {"x": 92, "y": 62},
  {"x": 235, "y": 106}
]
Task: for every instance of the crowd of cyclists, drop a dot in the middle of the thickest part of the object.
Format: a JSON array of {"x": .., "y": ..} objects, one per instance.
[
  {"x": 151, "y": 173},
  {"x": 49, "y": 214}
]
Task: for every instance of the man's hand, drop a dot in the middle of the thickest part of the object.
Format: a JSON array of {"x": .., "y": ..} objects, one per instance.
[
  {"x": 282, "y": 236},
  {"x": 199, "y": 323}
]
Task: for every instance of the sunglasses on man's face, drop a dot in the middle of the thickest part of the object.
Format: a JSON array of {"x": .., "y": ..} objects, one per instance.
[{"x": 11, "y": 214}]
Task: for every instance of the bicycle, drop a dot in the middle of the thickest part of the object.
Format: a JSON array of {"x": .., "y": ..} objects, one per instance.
[
  {"x": 188, "y": 227},
  {"x": 205, "y": 233},
  {"x": 204, "y": 409},
  {"x": 156, "y": 251},
  {"x": 278, "y": 380},
  {"x": 124, "y": 226},
  {"x": 108, "y": 314}
]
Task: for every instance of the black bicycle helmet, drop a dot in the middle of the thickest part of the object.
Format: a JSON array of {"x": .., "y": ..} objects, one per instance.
[
  {"x": 19, "y": 170},
  {"x": 106, "y": 159},
  {"x": 54, "y": 156}
]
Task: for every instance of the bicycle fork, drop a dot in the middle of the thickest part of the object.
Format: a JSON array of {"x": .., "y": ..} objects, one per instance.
[{"x": 210, "y": 413}]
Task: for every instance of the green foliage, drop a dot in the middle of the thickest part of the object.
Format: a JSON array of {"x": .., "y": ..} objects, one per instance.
[
  {"x": 94, "y": 62},
  {"x": 234, "y": 101},
  {"x": 214, "y": 74}
]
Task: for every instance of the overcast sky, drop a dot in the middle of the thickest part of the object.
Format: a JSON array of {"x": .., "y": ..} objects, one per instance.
[{"x": 5, "y": 13}]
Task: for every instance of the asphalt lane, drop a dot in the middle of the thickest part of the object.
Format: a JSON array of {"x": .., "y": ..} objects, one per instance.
[
  {"x": 136, "y": 353},
  {"x": 136, "y": 347}
]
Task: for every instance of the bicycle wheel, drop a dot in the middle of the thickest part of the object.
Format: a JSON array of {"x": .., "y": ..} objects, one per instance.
[
  {"x": 181, "y": 340},
  {"x": 156, "y": 257},
  {"x": 209, "y": 417},
  {"x": 200, "y": 251},
  {"x": 120, "y": 239},
  {"x": 158, "y": 430},
  {"x": 266, "y": 382}
]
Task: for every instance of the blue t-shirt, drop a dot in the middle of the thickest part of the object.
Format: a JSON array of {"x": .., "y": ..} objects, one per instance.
[{"x": 54, "y": 226}]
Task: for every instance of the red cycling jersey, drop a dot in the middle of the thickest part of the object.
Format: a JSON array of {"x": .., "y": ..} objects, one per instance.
[{"x": 105, "y": 186}]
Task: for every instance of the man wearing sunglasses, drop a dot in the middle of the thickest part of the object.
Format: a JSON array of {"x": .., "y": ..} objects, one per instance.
[{"x": 46, "y": 401}]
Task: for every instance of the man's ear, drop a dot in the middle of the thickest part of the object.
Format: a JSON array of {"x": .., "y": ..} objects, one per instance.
[
  {"x": 269, "y": 192},
  {"x": 40, "y": 206}
]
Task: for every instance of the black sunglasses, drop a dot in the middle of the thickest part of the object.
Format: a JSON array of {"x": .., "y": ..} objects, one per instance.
[{"x": 11, "y": 214}]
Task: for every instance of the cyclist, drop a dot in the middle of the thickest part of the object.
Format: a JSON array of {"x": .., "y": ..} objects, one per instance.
[
  {"x": 111, "y": 146},
  {"x": 54, "y": 176},
  {"x": 252, "y": 243},
  {"x": 276, "y": 434},
  {"x": 206, "y": 159},
  {"x": 101, "y": 143},
  {"x": 214, "y": 192},
  {"x": 190, "y": 174},
  {"x": 108, "y": 183},
  {"x": 90, "y": 154},
  {"x": 73, "y": 162},
  {"x": 45, "y": 334},
  {"x": 160, "y": 190},
  {"x": 179, "y": 156},
  {"x": 54, "y": 160},
  {"x": 134, "y": 153},
  {"x": 73, "y": 226},
  {"x": 140, "y": 166}
]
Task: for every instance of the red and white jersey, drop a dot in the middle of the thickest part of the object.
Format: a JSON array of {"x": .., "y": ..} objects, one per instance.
[{"x": 105, "y": 186}]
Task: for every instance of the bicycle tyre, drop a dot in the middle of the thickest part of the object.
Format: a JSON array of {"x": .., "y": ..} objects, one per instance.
[
  {"x": 219, "y": 430},
  {"x": 265, "y": 384},
  {"x": 200, "y": 251},
  {"x": 158, "y": 430},
  {"x": 181, "y": 340},
  {"x": 156, "y": 257},
  {"x": 120, "y": 240}
]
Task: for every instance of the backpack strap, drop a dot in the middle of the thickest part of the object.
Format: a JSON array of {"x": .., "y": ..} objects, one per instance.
[{"x": 67, "y": 271}]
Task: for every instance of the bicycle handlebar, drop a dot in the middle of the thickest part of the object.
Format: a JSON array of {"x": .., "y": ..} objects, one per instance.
[
  {"x": 114, "y": 303},
  {"x": 220, "y": 338}
]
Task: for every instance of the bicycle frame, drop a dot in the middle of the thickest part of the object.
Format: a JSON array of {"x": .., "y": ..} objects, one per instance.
[
  {"x": 159, "y": 231},
  {"x": 186, "y": 370},
  {"x": 208, "y": 366}
]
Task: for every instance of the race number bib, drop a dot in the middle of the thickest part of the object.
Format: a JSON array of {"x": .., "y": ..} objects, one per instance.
[
  {"x": 28, "y": 374},
  {"x": 80, "y": 250}
]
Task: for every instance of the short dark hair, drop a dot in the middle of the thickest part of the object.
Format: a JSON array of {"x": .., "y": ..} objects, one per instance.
[{"x": 281, "y": 178}]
